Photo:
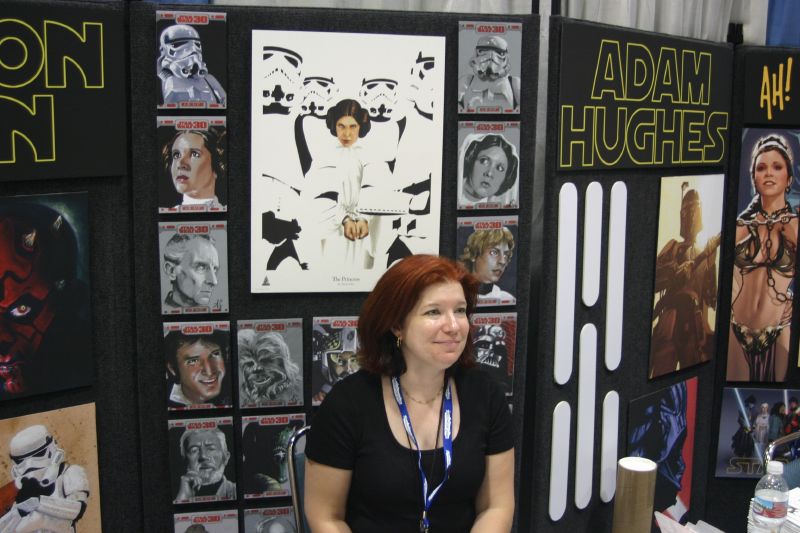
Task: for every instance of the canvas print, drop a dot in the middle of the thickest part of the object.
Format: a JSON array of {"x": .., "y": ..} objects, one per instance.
[
  {"x": 346, "y": 157},
  {"x": 494, "y": 339},
  {"x": 48, "y": 471},
  {"x": 269, "y": 520},
  {"x": 661, "y": 427},
  {"x": 197, "y": 358},
  {"x": 488, "y": 165},
  {"x": 489, "y": 67},
  {"x": 194, "y": 267},
  {"x": 334, "y": 345},
  {"x": 265, "y": 465},
  {"x": 193, "y": 165},
  {"x": 762, "y": 300},
  {"x": 200, "y": 451},
  {"x": 687, "y": 270},
  {"x": 208, "y": 522},
  {"x": 192, "y": 63},
  {"x": 46, "y": 329},
  {"x": 485, "y": 247},
  {"x": 270, "y": 362},
  {"x": 749, "y": 420}
]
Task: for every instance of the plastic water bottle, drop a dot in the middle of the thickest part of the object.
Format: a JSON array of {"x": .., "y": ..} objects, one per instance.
[{"x": 771, "y": 500}]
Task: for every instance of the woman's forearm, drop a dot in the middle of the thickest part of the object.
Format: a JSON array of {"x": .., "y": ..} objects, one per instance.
[
  {"x": 329, "y": 526},
  {"x": 496, "y": 520}
]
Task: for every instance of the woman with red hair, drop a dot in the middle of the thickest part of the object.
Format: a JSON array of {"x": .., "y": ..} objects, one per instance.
[{"x": 418, "y": 439}]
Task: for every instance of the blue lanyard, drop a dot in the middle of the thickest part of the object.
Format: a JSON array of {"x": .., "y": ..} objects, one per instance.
[{"x": 447, "y": 442}]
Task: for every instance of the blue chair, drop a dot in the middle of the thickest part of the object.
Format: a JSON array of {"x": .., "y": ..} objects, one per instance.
[{"x": 297, "y": 470}]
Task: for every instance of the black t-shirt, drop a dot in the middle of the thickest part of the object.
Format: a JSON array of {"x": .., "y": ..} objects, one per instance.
[{"x": 351, "y": 431}]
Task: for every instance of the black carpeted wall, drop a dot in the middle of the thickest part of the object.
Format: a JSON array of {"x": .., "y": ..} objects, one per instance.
[{"x": 156, "y": 496}]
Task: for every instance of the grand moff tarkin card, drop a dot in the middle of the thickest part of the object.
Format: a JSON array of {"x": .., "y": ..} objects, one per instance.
[
  {"x": 194, "y": 267},
  {"x": 265, "y": 464}
]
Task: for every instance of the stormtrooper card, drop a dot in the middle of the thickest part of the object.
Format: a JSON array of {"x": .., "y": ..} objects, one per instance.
[
  {"x": 265, "y": 463},
  {"x": 488, "y": 165},
  {"x": 334, "y": 349},
  {"x": 46, "y": 329},
  {"x": 268, "y": 519},
  {"x": 192, "y": 165},
  {"x": 193, "y": 257},
  {"x": 494, "y": 339},
  {"x": 685, "y": 289},
  {"x": 201, "y": 460},
  {"x": 485, "y": 246},
  {"x": 270, "y": 354},
  {"x": 55, "y": 468},
  {"x": 192, "y": 61},
  {"x": 346, "y": 157},
  {"x": 489, "y": 67},
  {"x": 749, "y": 420},
  {"x": 210, "y": 522},
  {"x": 197, "y": 360}
]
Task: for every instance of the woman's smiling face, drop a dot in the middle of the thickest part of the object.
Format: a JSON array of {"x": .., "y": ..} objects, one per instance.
[{"x": 770, "y": 175}]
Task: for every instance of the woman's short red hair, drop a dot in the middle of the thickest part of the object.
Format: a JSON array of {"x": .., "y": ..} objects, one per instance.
[{"x": 393, "y": 297}]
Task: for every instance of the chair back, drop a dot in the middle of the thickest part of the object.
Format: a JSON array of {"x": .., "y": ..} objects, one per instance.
[
  {"x": 791, "y": 468},
  {"x": 297, "y": 463}
]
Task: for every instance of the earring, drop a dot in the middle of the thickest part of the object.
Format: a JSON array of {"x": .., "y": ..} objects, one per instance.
[{"x": 399, "y": 342}]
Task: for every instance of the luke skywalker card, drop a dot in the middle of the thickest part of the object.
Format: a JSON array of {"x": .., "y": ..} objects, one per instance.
[{"x": 486, "y": 247}]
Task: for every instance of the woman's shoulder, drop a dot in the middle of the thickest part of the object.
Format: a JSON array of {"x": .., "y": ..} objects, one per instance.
[{"x": 355, "y": 385}]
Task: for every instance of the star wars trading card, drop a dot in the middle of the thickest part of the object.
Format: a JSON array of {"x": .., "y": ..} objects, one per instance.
[
  {"x": 485, "y": 246},
  {"x": 48, "y": 471},
  {"x": 488, "y": 165},
  {"x": 346, "y": 161},
  {"x": 265, "y": 464},
  {"x": 197, "y": 359},
  {"x": 661, "y": 427},
  {"x": 749, "y": 420},
  {"x": 192, "y": 61},
  {"x": 766, "y": 227},
  {"x": 209, "y": 522},
  {"x": 334, "y": 345},
  {"x": 201, "y": 460},
  {"x": 194, "y": 267},
  {"x": 193, "y": 165},
  {"x": 687, "y": 269},
  {"x": 46, "y": 328},
  {"x": 269, "y": 519},
  {"x": 494, "y": 339},
  {"x": 270, "y": 356},
  {"x": 489, "y": 67}
]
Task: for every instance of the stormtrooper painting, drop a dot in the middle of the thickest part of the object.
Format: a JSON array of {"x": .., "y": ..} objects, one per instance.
[
  {"x": 49, "y": 490},
  {"x": 493, "y": 343},
  {"x": 269, "y": 520},
  {"x": 489, "y": 59},
  {"x": 346, "y": 157},
  {"x": 190, "y": 45}
]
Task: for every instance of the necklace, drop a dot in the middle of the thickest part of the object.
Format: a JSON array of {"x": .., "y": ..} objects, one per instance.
[{"x": 422, "y": 402}]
